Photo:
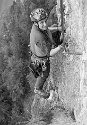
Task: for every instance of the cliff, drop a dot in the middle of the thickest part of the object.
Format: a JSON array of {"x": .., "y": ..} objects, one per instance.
[{"x": 71, "y": 67}]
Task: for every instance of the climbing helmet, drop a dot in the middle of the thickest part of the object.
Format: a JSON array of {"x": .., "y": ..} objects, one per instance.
[{"x": 38, "y": 15}]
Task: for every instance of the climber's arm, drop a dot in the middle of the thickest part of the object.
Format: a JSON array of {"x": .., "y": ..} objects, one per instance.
[
  {"x": 54, "y": 28},
  {"x": 55, "y": 50}
]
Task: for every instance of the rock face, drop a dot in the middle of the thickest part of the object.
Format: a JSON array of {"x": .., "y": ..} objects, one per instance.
[{"x": 70, "y": 68}]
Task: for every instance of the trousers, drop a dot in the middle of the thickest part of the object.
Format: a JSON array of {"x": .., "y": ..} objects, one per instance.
[{"x": 42, "y": 78}]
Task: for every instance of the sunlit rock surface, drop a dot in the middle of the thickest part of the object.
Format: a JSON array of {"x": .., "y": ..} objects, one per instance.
[{"x": 70, "y": 70}]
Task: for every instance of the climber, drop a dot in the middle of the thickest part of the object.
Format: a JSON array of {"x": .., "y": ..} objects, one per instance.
[{"x": 41, "y": 46}]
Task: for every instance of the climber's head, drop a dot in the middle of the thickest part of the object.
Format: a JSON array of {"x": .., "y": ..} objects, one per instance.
[{"x": 39, "y": 16}]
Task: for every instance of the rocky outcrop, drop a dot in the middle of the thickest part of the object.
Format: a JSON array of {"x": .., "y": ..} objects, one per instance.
[{"x": 70, "y": 68}]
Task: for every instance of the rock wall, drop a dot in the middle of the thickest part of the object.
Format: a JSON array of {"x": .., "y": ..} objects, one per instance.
[{"x": 69, "y": 69}]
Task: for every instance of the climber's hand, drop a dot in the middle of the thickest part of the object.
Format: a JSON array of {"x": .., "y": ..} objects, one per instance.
[{"x": 64, "y": 44}]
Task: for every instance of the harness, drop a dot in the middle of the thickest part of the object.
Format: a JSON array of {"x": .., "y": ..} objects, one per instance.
[{"x": 38, "y": 64}]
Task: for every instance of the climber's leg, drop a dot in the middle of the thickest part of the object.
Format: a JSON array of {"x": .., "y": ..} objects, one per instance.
[{"x": 41, "y": 80}]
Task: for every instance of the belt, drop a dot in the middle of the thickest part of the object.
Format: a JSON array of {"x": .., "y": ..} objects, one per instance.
[{"x": 41, "y": 57}]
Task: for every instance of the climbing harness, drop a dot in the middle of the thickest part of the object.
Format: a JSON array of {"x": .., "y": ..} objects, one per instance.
[{"x": 38, "y": 65}]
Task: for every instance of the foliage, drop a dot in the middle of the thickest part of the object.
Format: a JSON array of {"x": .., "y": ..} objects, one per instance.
[{"x": 14, "y": 42}]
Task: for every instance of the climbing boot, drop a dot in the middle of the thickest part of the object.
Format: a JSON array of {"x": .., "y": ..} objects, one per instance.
[{"x": 42, "y": 93}]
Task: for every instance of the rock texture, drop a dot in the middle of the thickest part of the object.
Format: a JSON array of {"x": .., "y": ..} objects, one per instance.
[{"x": 70, "y": 69}]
